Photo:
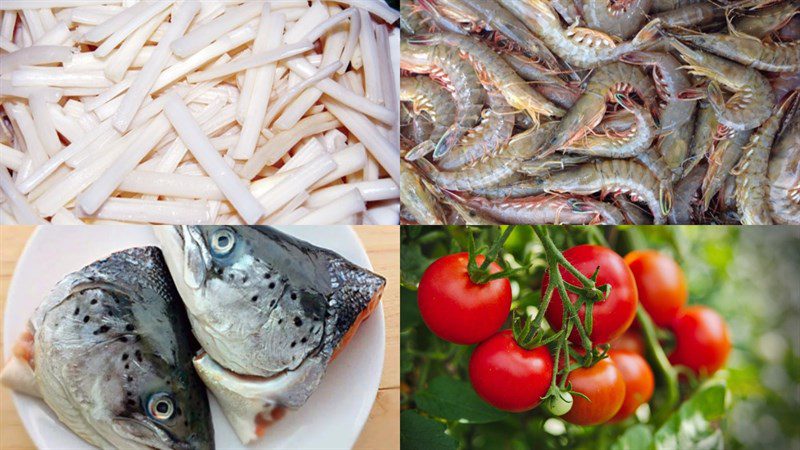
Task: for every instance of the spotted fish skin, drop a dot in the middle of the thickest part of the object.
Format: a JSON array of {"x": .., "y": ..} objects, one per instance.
[
  {"x": 113, "y": 356},
  {"x": 265, "y": 304}
]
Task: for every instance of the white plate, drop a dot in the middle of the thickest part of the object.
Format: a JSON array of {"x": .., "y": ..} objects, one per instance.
[{"x": 332, "y": 417}]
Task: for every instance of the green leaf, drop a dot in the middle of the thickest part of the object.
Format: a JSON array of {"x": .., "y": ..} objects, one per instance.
[
  {"x": 418, "y": 432},
  {"x": 455, "y": 400},
  {"x": 695, "y": 425},
  {"x": 637, "y": 437},
  {"x": 406, "y": 362},
  {"x": 409, "y": 311}
]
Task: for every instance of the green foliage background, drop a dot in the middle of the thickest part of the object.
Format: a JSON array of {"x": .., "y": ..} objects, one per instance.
[{"x": 751, "y": 275}]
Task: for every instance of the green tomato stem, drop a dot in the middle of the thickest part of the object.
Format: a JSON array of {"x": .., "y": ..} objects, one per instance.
[{"x": 657, "y": 355}]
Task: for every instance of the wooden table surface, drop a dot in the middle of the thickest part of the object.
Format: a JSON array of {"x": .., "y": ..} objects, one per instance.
[{"x": 382, "y": 430}]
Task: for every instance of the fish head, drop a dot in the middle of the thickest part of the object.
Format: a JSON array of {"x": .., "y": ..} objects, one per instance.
[
  {"x": 113, "y": 356},
  {"x": 257, "y": 304}
]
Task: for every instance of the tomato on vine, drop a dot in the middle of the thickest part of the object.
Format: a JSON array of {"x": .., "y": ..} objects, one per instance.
[
  {"x": 702, "y": 340},
  {"x": 660, "y": 282},
  {"x": 611, "y": 316},
  {"x": 457, "y": 309},
  {"x": 604, "y": 386},
  {"x": 639, "y": 381},
  {"x": 508, "y": 376}
]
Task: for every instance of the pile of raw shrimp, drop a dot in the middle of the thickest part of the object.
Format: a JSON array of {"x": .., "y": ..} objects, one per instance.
[
  {"x": 199, "y": 111},
  {"x": 588, "y": 112}
]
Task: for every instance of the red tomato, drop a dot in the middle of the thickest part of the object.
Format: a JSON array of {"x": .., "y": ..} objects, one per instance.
[
  {"x": 631, "y": 340},
  {"x": 702, "y": 340},
  {"x": 455, "y": 308},
  {"x": 612, "y": 316},
  {"x": 605, "y": 387},
  {"x": 660, "y": 282},
  {"x": 639, "y": 382},
  {"x": 508, "y": 376}
]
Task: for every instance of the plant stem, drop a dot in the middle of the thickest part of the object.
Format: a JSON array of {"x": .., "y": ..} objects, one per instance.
[{"x": 657, "y": 355}]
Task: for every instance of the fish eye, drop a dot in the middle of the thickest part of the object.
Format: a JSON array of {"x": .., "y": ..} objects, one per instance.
[
  {"x": 222, "y": 242},
  {"x": 160, "y": 407}
]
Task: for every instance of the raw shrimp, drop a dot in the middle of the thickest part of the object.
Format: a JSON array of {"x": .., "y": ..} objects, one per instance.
[
  {"x": 546, "y": 82},
  {"x": 684, "y": 194},
  {"x": 632, "y": 212},
  {"x": 458, "y": 75},
  {"x": 617, "y": 18},
  {"x": 611, "y": 175},
  {"x": 695, "y": 15},
  {"x": 416, "y": 199},
  {"x": 588, "y": 111},
  {"x": 669, "y": 81},
  {"x": 784, "y": 173},
  {"x": 484, "y": 140},
  {"x": 493, "y": 170},
  {"x": 542, "y": 167},
  {"x": 413, "y": 19},
  {"x": 425, "y": 94},
  {"x": 623, "y": 144},
  {"x": 547, "y": 208},
  {"x": 487, "y": 14},
  {"x": 577, "y": 46},
  {"x": 415, "y": 128},
  {"x": 494, "y": 69},
  {"x": 723, "y": 157},
  {"x": 751, "y": 172},
  {"x": 750, "y": 51},
  {"x": 767, "y": 20},
  {"x": 752, "y": 101},
  {"x": 704, "y": 131}
]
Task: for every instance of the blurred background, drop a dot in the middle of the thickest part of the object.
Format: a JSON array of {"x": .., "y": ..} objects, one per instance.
[{"x": 750, "y": 275}]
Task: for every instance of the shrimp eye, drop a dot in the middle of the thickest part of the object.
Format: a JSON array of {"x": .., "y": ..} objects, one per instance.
[
  {"x": 222, "y": 242},
  {"x": 160, "y": 407}
]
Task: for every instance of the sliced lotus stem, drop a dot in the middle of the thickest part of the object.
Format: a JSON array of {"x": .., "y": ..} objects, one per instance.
[
  {"x": 301, "y": 179},
  {"x": 371, "y": 191},
  {"x": 198, "y": 143},
  {"x": 59, "y": 34},
  {"x": 33, "y": 56},
  {"x": 171, "y": 185},
  {"x": 11, "y": 157},
  {"x": 369, "y": 50},
  {"x": 329, "y": 23},
  {"x": 107, "y": 95},
  {"x": 309, "y": 152},
  {"x": 270, "y": 33},
  {"x": 181, "y": 18},
  {"x": 44, "y": 122},
  {"x": 57, "y": 77},
  {"x": 33, "y": 23},
  {"x": 7, "y": 45},
  {"x": 19, "y": 114},
  {"x": 178, "y": 70},
  {"x": 351, "y": 44},
  {"x": 313, "y": 16},
  {"x": 207, "y": 33},
  {"x": 149, "y": 211},
  {"x": 349, "y": 160},
  {"x": 93, "y": 197},
  {"x": 119, "y": 35},
  {"x": 282, "y": 142},
  {"x": 287, "y": 209},
  {"x": 23, "y": 212},
  {"x": 383, "y": 214},
  {"x": 120, "y": 61},
  {"x": 261, "y": 59},
  {"x": 345, "y": 206},
  {"x": 117, "y": 21},
  {"x": 381, "y": 149},
  {"x": 342, "y": 94},
  {"x": 298, "y": 89}
]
